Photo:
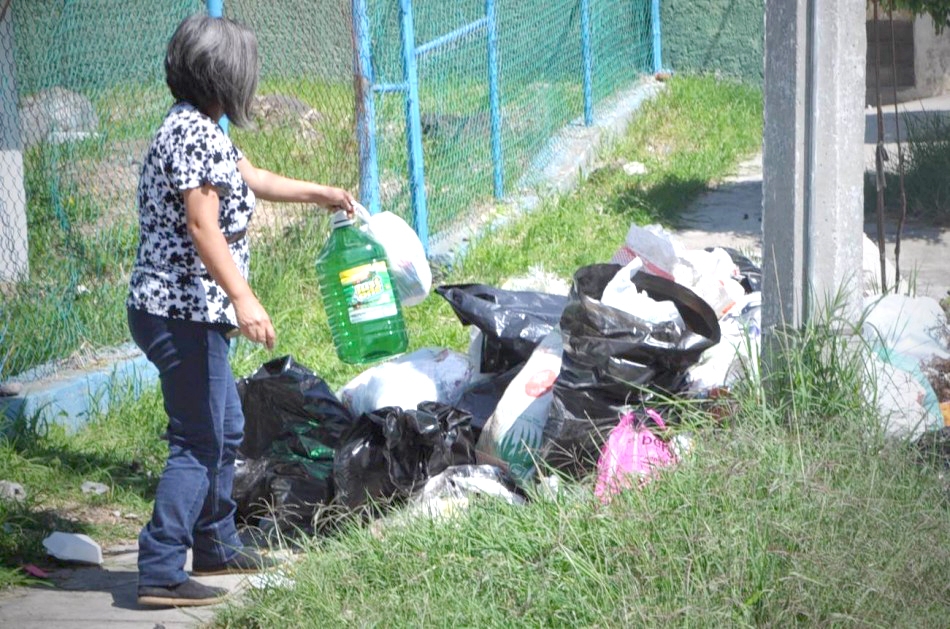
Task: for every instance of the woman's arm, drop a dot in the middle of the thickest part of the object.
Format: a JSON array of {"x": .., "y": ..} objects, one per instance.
[
  {"x": 273, "y": 187},
  {"x": 201, "y": 215}
]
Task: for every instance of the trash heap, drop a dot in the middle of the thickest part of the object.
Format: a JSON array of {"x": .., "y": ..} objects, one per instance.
[{"x": 555, "y": 378}]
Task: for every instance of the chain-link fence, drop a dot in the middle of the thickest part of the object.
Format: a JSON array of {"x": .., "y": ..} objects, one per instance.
[
  {"x": 304, "y": 125},
  {"x": 82, "y": 91},
  {"x": 541, "y": 64}
]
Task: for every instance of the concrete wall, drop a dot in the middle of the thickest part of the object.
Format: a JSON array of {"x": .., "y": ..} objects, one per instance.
[
  {"x": 931, "y": 59},
  {"x": 724, "y": 36}
]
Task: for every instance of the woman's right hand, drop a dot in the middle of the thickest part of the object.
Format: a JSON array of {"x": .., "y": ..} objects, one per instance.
[{"x": 254, "y": 322}]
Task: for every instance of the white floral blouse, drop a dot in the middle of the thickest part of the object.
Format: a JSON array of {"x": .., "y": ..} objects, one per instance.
[{"x": 169, "y": 279}]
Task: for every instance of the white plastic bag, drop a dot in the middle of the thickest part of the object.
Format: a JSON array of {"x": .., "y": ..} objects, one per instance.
[
  {"x": 906, "y": 333},
  {"x": 652, "y": 244},
  {"x": 513, "y": 433},
  {"x": 622, "y": 294},
  {"x": 430, "y": 374},
  {"x": 407, "y": 257},
  {"x": 710, "y": 274}
]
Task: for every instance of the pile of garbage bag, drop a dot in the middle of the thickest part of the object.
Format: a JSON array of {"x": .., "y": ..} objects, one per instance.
[
  {"x": 551, "y": 381},
  {"x": 293, "y": 425}
]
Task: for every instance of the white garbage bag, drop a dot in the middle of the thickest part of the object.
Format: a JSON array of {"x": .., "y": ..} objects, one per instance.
[
  {"x": 430, "y": 374},
  {"x": 407, "y": 257},
  {"x": 512, "y": 435}
]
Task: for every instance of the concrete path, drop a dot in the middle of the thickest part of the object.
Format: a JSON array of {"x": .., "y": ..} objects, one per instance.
[
  {"x": 731, "y": 215},
  {"x": 102, "y": 598}
]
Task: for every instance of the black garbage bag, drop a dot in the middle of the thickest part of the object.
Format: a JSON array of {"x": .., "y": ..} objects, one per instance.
[
  {"x": 512, "y": 322},
  {"x": 249, "y": 489},
  {"x": 480, "y": 398},
  {"x": 393, "y": 451},
  {"x": 360, "y": 470},
  {"x": 286, "y": 491},
  {"x": 573, "y": 444},
  {"x": 422, "y": 443},
  {"x": 751, "y": 274},
  {"x": 610, "y": 356},
  {"x": 292, "y": 425},
  {"x": 282, "y": 396},
  {"x": 296, "y": 490}
]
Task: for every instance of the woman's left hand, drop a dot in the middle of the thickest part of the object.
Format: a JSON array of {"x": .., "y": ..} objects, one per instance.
[{"x": 340, "y": 199}]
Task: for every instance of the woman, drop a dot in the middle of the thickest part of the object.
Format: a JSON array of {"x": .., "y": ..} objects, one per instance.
[{"x": 188, "y": 294}]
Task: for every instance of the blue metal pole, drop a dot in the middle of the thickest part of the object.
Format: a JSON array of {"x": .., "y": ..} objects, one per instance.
[
  {"x": 455, "y": 35},
  {"x": 365, "y": 108},
  {"x": 657, "y": 40},
  {"x": 494, "y": 100},
  {"x": 216, "y": 9},
  {"x": 417, "y": 181},
  {"x": 587, "y": 55}
]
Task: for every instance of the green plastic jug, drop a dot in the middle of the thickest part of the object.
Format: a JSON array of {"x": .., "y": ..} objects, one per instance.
[{"x": 356, "y": 286}]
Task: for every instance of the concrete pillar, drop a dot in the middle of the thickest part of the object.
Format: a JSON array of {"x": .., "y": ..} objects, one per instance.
[
  {"x": 813, "y": 196},
  {"x": 14, "y": 263}
]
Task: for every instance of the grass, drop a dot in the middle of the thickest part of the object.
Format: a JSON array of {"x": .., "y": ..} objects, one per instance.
[
  {"x": 791, "y": 511},
  {"x": 121, "y": 449},
  {"x": 81, "y": 213},
  {"x": 756, "y": 528},
  {"x": 80, "y": 210}
]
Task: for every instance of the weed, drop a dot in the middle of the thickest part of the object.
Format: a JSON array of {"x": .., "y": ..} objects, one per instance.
[{"x": 926, "y": 160}]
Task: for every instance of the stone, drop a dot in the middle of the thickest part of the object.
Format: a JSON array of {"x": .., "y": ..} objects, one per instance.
[
  {"x": 273, "y": 111},
  {"x": 57, "y": 115},
  {"x": 635, "y": 168},
  {"x": 98, "y": 489},
  {"x": 12, "y": 491}
]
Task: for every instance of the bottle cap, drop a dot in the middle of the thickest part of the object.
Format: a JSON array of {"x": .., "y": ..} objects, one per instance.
[{"x": 340, "y": 219}]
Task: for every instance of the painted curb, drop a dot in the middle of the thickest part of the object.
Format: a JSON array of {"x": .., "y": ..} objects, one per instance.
[{"x": 69, "y": 397}]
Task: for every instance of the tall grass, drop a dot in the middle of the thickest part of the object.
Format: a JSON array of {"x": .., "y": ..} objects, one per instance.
[
  {"x": 793, "y": 509},
  {"x": 928, "y": 157}
]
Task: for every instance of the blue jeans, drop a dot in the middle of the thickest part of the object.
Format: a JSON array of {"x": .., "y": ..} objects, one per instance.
[{"x": 193, "y": 504}]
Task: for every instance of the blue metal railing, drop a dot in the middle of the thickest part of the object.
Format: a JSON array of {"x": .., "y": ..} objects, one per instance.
[
  {"x": 409, "y": 87},
  {"x": 366, "y": 108},
  {"x": 417, "y": 179},
  {"x": 494, "y": 99},
  {"x": 587, "y": 56},
  {"x": 657, "y": 39},
  {"x": 216, "y": 9}
]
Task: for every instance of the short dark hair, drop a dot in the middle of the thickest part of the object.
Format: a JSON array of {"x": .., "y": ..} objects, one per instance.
[{"x": 212, "y": 63}]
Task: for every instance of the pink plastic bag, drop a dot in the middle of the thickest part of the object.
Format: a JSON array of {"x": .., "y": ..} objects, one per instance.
[{"x": 632, "y": 451}]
